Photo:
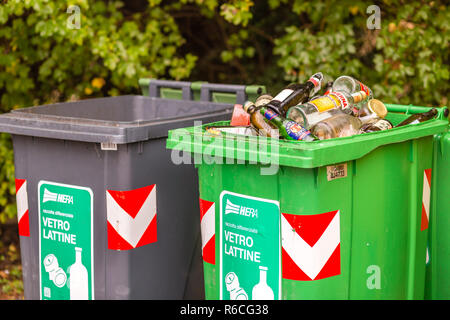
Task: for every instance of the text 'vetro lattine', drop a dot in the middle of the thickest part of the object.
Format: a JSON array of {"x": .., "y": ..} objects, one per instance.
[
  {"x": 240, "y": 246},
  {"x": 58, "y": 230}
]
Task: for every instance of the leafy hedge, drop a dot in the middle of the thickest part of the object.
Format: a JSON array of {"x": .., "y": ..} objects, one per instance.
[
  {"x": 271, "y": 42},
  {"x": 43, "y": 60}
]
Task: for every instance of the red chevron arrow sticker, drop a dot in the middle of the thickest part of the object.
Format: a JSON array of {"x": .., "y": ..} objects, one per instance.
[
  {"x": 22, "y": 207},
  {"x": 207, "y": 224},
  {"x": 426, "y": 199},
  {"x": 310, "y": 246},
  {"x": 131, "y": 218}
]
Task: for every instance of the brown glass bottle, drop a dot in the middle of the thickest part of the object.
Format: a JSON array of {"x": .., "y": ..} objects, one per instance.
[
  {"x": 419, "y": 117},
  {"x": 294, "y": 94},
  {"x": 257, "y": 120}
]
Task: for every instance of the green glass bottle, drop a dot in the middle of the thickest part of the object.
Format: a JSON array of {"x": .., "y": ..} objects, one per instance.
[{"x": 288, "y": 129}]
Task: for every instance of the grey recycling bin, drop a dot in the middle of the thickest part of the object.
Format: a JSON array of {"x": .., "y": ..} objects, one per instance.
[{"x": 103, "y": 212}]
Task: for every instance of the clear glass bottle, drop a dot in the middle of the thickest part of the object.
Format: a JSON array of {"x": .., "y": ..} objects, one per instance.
[
  {"x": 309, "y": 120},
  {"x": 262, "y": 291},
  {"x": 326, "y": 90},
  {"x": 79, "y": 280},
  {"x": 321, "y": 108},
  {"x": 350, "y": 85},
  {"x": 340, "y": 125}
]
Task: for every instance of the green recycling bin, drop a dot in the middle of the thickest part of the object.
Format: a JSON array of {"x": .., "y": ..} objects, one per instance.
[
  {"x": 332, "y": 219},
  {"x": 436, "y": 216}
]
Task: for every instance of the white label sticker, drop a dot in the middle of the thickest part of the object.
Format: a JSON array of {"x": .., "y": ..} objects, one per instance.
[
  {"x": 283, "y": 95},
  {"x": 336, "y": 171},
  {"x": 108, "y": 146}
]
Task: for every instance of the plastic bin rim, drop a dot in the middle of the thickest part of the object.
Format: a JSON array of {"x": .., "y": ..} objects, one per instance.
[
  {"x": 306, "y": 145},
  {"x": 24, "y": 122},
  {"x": 25, "y": 114},
  {"x": 307, "y": 154}
]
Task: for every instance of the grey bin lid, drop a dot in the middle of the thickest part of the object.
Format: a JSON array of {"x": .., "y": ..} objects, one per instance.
[{"x": 121, "y": 119}]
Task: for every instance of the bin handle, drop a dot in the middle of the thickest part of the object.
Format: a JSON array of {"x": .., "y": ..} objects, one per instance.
[
  {"x": 442, "y": 115},
  {"x": 154, "y": 88},
  {"x": 207, "y": 90}
]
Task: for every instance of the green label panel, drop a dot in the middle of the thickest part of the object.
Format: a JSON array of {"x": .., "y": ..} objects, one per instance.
[
  {"x": 250, "y": 257},
  {"x": 65, "y": 242}
]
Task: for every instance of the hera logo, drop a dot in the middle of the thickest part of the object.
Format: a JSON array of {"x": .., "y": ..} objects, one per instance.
[
  {"x": 240, "y": 210},
  {"x": 57, "y": 197}
]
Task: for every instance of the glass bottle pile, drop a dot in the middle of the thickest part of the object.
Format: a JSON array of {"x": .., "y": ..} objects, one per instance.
[{"x": 346, "y": 108}]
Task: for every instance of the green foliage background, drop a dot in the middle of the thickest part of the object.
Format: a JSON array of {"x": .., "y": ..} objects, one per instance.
[{"x": 270, "y": 42}]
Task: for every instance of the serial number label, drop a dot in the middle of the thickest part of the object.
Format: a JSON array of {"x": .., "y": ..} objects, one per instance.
[{"x": 336, "y": 171}]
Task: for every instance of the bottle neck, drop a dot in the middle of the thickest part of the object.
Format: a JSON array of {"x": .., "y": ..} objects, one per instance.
[
  {"x": 299, "y": 95},
  {"x": 328, "y": 88},
  {"x": 271, "y": 116},
  {"x": 77, "y": 256},
  {"x": 262, "y": 276},
  {"x": 368, "y": 118},
  {"x": 358, "y": 96},
  {"x": 430, "y": 114},
  {"x": 250, "y": 108},
  {"x": 310, "y": 84}
]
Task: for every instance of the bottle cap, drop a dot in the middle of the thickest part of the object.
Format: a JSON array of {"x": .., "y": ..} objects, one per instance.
[
  {"x": 263, "y": 100},
  {"x": 377, "y": 107},
  {"x": 317, "y": 79},
  {"x": 247, "y": 105},
  {"x": 264, "y": 96}
]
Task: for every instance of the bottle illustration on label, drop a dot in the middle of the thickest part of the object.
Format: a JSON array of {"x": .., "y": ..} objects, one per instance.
[
  {"x": 262, "y": 291},
  {"x": 55, "y": 273},
  {"x": 79, "y": 280},
  {"x": 233, "y": 287}
]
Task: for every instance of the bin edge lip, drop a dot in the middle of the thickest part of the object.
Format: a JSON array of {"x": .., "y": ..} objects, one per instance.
[
  {"x": 24, "y": 113},
  {"x": 313, "y": 153},
  {"x": 21, "y": 122}
]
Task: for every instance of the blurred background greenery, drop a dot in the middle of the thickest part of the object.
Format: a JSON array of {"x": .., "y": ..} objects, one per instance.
[{"x": 271, "y": 42}]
